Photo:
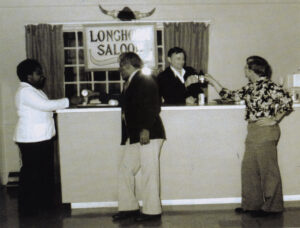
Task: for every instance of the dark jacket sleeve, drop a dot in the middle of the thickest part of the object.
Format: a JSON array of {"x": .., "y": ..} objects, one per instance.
[
  {"x": 162, "y": 85},
  {"x": 148, "y": 102}
]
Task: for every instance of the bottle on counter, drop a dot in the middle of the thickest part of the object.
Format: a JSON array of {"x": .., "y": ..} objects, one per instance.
[{"x": 201, "y": 99}]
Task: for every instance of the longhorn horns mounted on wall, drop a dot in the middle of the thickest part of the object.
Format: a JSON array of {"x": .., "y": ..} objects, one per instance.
[{"x": 126, "y": 14}]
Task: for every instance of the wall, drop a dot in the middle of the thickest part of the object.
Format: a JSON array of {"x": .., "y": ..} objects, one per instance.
[{"x": 239, "y": 28}]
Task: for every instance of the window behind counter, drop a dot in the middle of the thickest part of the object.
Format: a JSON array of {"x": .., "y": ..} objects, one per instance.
[{"x": 108, "y": 81}]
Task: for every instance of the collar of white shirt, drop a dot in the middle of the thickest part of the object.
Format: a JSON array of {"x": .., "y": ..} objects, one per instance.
[
  {"x": 179, "y": 74},
  {"x": 26, "y": 84}
]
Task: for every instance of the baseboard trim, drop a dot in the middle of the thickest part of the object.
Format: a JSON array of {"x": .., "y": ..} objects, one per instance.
[{"x": 179, "y": 202}]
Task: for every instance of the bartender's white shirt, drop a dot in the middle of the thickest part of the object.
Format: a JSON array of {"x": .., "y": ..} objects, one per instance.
[
  {"x": 178, "y": 74},
  {"x": 35, "y": 112}
]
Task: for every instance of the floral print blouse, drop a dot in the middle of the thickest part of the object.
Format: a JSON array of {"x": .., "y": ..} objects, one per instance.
[{"x": 263, "y": 98}]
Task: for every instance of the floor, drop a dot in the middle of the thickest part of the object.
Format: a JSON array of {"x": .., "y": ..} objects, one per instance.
[{"x": 172, "y": 218}]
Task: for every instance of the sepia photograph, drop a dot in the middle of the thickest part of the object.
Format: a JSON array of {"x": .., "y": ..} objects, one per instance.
[{"x": 158, "y": 113}]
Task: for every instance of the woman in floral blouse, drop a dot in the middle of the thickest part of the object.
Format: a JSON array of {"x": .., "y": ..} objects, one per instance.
[{"x": 266, "y": 104}]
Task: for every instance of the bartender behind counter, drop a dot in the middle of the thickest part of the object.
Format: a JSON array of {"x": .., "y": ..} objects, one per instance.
[{"x": 178, "y": 85}]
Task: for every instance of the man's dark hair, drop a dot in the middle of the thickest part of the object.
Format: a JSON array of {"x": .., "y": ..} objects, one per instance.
[
  {"x": 176, "y": 50},
  {"x": 130, "y": 58},
  {"x": 260, "y": 66},
  {"x": 27, "y": 67}
]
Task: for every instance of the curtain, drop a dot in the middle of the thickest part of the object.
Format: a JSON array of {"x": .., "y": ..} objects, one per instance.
[
  {"x": 45, "y": 44},
  {"x": 193, "y": 38}
]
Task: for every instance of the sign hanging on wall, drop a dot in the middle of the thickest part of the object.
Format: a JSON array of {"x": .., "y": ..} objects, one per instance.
[{"x": 104, "y": 43}]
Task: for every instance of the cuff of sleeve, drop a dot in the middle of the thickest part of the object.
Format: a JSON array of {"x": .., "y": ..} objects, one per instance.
[{"x": 67, "y": 102}]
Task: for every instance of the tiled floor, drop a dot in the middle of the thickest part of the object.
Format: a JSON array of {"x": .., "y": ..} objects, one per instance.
[{"x": 187, "y": 218}]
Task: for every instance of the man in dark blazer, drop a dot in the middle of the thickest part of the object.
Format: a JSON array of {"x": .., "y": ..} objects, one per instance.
[
  {"x": 142, "y": 136},
  {"x": 179, "y": 85}
]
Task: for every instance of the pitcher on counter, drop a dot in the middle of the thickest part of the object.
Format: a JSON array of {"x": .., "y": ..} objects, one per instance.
[
  {"x": 142, "y": 137},
  {"x": 266, "y": 105}
]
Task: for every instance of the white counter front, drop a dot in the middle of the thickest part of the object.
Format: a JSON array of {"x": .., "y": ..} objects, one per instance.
[{"x": 200, "y": 160}]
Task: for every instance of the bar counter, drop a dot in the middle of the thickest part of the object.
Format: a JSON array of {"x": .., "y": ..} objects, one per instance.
[{"x": 200, "y": 160}]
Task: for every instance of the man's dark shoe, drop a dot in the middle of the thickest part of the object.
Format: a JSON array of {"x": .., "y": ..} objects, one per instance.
[
  {"x": 121, "y": 215},
  {"x": 240, "y": 210},
  {"x": 262, "y": 213},
  {"x": 145, "y": 217}
]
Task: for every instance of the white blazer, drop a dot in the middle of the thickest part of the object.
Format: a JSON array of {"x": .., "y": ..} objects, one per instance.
[{"x": 35, "y": 112}]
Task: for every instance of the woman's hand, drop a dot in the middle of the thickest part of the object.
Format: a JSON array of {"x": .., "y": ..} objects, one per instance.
[
  {"x": 75, "y": 100},
  {"x": 266, "y": 121}
]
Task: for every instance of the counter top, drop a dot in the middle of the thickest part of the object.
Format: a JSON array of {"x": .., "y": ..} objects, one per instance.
[
  {"x": 213, "y": 106},
  {"x": 184, "y": 107}
]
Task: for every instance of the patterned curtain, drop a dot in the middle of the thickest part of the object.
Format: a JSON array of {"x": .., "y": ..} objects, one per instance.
[
  {"x": 45, "y": 44},
  {"x": 193, "y": 38}
]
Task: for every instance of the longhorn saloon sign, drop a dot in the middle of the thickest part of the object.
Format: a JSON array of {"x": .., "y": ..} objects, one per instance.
[{"x": 104, "y": 43}]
